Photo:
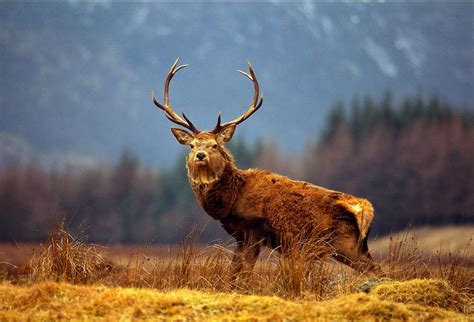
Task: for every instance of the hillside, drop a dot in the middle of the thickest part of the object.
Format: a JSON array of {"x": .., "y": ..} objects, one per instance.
[{"x": 76, "y": 76}]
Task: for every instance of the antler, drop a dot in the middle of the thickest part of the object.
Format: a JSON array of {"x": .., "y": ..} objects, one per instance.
[
  {"x": 169, "y": 113},
  {"x": 256, "y": 103}
]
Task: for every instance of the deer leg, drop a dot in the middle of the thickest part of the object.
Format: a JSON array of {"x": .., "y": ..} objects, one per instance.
[
  {"x": 237, "y": 261},
  {"x": 245, "y": 257}
]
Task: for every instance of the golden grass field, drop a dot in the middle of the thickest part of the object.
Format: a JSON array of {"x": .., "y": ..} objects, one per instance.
[
  {"x": 427, "y": 300},
  {"x": 429, "y": 276}
]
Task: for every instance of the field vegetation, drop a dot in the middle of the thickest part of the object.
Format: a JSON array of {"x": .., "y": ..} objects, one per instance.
[
  {"x": 53, "y": 301},
  {"x": 67, "y": 278}
]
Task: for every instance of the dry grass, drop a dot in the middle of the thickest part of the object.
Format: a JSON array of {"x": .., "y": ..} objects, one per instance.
[
  {"x": 436, "y": 293},
  {"x": 66, "y": 259},
  {"x": 303, "y": 271},
  {"x": 429, "y": 240},
  {"x": 417, "y": 285},
  {"x": 53, "y": 301},
  {"x": 408, "y": 258},
  {"x": 297, "y": 275}
]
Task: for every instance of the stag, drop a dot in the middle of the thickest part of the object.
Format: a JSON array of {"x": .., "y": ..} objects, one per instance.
[{"x": 261, "y": 208}]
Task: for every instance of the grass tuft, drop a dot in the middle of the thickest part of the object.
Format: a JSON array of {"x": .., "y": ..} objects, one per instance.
[
  {"x": 437, "y": 293},
  {"x": 66, "y": 259}
]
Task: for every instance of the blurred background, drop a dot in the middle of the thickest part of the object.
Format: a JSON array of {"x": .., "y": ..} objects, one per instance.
[{"x": 373, "y": 99}]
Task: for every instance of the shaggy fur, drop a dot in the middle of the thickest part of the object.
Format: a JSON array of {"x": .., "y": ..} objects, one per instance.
[{"x": 258, "y": 207}]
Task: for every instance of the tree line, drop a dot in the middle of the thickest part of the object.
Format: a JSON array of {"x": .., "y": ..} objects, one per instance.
[{"x": 413, "y": 160}]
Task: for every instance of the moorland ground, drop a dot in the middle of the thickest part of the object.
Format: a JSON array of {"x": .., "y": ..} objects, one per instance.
[{"x": 428, "y": 275}]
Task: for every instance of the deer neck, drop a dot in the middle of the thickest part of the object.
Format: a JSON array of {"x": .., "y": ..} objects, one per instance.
[
  {"x": 202, "y": 183},
  {"x": 218, "y": 197}
]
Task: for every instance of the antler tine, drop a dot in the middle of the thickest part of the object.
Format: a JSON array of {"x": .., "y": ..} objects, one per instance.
[
  {"x": 256, "y": 102},
  {"x": 169, "y": 112},
  {"x": 171, "y": 73},
  {"x": 193, "y": 128}
]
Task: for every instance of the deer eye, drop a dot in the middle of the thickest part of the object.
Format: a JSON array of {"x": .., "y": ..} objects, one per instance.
[
  {"x": 192, "y": 146},
  {"x": 214, "y": 146}
]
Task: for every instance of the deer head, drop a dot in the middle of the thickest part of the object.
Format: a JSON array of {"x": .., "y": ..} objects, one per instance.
[{"x": 208, "y": 156}]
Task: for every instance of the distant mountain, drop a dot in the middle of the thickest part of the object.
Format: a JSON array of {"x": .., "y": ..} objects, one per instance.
[{"x": 75, "y": 77}]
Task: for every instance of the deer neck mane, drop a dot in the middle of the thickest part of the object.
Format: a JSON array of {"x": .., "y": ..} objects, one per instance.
[
  {"x": 204, "y": 176},
  {"x": 218, "y": 197},
  {"x": 203, "y": 179}
]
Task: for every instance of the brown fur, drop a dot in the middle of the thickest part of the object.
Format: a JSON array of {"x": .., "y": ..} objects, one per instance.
[{"x": 259, "y": 207}]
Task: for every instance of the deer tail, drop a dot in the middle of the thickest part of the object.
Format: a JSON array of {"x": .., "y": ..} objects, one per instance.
[
  {"x": 366, "y": 217},
  {"x": 363, "y": 212}
]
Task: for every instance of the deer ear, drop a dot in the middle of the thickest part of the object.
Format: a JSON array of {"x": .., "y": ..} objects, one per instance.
[
  {"x": 183, "y": 137},
  {"x": 226, "y": 134}
]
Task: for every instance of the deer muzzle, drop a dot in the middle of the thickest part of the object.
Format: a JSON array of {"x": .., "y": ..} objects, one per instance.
[{"x": 200, "y": 157}]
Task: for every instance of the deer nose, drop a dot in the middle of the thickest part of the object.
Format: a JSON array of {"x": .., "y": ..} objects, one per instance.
[{"x": 200, "y": 155}]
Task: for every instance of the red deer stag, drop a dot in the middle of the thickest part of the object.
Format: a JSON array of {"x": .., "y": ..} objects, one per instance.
[{"x": 258, "y": 207}]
